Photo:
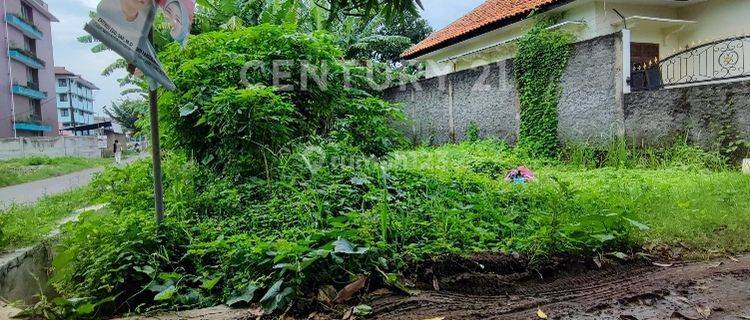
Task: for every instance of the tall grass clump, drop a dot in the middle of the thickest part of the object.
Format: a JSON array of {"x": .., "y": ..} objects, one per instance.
[{"x": 618, "y": 153}]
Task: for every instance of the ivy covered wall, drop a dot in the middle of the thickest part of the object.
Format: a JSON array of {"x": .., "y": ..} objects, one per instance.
[{"x": 589, "y": 108}]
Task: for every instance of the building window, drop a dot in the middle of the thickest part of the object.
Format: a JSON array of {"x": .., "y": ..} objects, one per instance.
[
  {"x": 64, "y": 97},
  {"x": 27, "y": 12},
  {"x": 32, "y": 77},
  {"x": 63, "y": 112},
  {"x": 62, "y": 83},
  {"x": 29, "y": 44},
  {"x": 36, "y": 109}
]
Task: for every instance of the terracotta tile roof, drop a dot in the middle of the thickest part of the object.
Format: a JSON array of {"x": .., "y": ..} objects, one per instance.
[{"x": 476, "y": 22}]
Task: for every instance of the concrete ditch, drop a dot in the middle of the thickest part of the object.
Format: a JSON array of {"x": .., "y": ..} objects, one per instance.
[{"x": 24, "y": 273}]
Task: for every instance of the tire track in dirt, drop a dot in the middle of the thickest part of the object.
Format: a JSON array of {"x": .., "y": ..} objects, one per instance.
[{"x": 637, "y": 292}]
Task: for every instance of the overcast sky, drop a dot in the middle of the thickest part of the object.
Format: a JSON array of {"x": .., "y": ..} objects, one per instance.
[{"x": 79, "y": 59}]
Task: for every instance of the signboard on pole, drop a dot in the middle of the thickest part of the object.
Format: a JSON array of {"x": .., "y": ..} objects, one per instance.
[{"x": 124, "y": 26}]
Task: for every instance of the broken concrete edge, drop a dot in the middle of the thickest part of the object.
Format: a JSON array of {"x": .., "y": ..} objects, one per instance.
[
  {"x": 11, "y": 263},
  {"x": 8, "y": 311},
  {"x": 221, "y": 312}
]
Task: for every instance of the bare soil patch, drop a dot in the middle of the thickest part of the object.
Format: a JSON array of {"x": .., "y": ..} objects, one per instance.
[
  {"x": 503, "y": 287},
  {"x": 717, "y": 289}
]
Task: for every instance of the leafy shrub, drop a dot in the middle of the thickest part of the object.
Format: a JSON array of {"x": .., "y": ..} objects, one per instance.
[
  {"x": 240, "y": 125},
  {"x": 245, "y": 124},
  {"x": 367, "y": 124},
  {"x": 472, "y": 133}
]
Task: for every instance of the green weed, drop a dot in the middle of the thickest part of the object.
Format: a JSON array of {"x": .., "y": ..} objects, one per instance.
[
  {"x": 23, "y": 225},
  {"x": 333, "y": 214},
  {"x": 22, "y": 170}
]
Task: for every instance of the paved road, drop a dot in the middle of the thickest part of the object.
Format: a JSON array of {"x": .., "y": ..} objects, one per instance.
[{"x": 32, "y": 191}]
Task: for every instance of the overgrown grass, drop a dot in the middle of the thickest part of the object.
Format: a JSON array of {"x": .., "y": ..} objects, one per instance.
[
  {"x": 329, "y": 214},
  {"x": 23, "y": 225},
  {"x": 688, "y": 197},
  {"x": 22, "y": 170}
]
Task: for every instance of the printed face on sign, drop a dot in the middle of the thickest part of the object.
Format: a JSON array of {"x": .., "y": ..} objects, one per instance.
[
  {"x": 130, "y": 19},
  {"x": 131, "y": 9},
  {"x": 179, "y": 14}
]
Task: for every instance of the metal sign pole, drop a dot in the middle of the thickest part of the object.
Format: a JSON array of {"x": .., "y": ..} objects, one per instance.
[
  {"x": 156, "y": 147},
  {"x": 156, "y": 156}
]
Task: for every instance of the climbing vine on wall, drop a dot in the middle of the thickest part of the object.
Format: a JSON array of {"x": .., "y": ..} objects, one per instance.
[{"x": 542, "y": 56}]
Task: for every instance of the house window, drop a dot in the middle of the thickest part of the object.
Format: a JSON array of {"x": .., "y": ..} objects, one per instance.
[
  {"x": 62, "y": 83},
  {"x": 64, "y": 112},
  {"x": 64, "y": 97},
  {"x": 27, "y": 12}
]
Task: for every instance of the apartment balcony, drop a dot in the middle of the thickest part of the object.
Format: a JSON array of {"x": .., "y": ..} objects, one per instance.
[
  {"x": 27, "y": 58},
  {"x": 33, "y": 123},
  {"x": 30, "y": 90},
  {"x": 26, "y": 27}
]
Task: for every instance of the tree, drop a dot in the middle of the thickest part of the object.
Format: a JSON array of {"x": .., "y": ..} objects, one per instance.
[
  {"x": 365, "y": 29},
  {"x": 384, "y": 40},
  {"x": 336, "y": 9},
  {"x": 127, "y": 112},
  {"x": 410, "y": 25}
]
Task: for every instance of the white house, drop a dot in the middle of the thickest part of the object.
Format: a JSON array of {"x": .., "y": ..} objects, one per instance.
[
  {"x": 652, "y": 31},
  {"x": 650, "y": 70}
]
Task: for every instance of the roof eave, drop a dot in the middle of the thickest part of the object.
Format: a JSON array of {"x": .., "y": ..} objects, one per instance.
[{"x": 482, "y": 30}]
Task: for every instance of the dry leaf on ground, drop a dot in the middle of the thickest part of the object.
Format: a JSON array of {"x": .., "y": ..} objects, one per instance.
[
  {"x": 350, "y": 290},
  {"x": 541, "y": 314}
]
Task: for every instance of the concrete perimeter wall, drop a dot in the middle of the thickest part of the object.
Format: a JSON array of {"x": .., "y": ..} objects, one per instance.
[
  {"x": 698, "y": 112},
  {"x": 49, "y": 146},
  {"x": 590, "y": 109}
]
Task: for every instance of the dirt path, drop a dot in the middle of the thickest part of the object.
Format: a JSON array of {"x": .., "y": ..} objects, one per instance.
[{"x": 714, "y": 290}]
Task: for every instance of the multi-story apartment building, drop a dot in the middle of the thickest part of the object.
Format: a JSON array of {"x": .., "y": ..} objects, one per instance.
[
  {"x": 27, "y": 80},
  {"x": 75, "y": 101}
]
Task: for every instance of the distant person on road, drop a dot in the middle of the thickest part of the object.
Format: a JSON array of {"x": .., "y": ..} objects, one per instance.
[{"x": 118, "y": 151}]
